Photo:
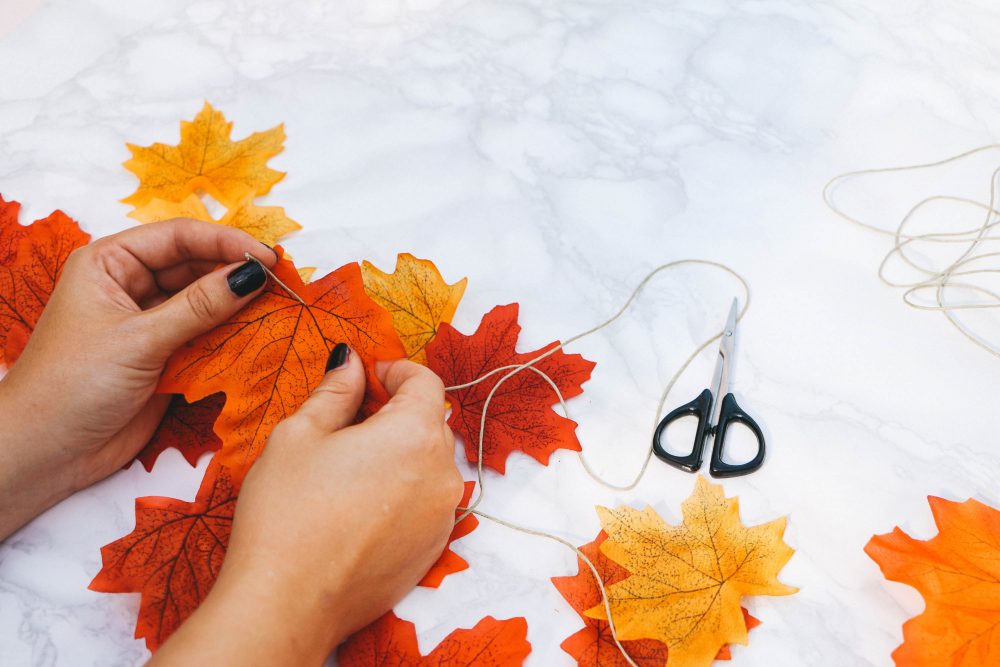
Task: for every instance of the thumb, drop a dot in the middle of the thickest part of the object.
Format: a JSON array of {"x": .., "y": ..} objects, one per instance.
[
  {"x": 204, "y": 304},
  {"x": 336, "y": 401}
]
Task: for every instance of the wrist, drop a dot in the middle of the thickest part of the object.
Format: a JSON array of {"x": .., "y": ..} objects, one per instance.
[
  {"x": 35, "y": 474},
  {"x": 262, "y": 616}
]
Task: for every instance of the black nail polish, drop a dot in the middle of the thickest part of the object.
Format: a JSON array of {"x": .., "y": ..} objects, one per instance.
[
  {"x": 246, "y": 279},
  {"x": 338, "y": 356}
]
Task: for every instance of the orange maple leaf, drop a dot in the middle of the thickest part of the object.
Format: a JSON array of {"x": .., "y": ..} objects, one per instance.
[
  {"x": 206, "y": 159},
  {"x": 186, "y": 427},
  {"x": 267, "y": 224},
  {"x": 269, "y": 357},
  {"x": 173, "y": 556},
  {"x": 593, "y": 645},
  {"x": 31, "y": 260},
  {"x": 417, "y": 297},
  {"x": 392, "y": 642},
  {"x": 450, "y": 562},
  {"x": 958, "y": 574},
  {"x": 520, "y": 416}
]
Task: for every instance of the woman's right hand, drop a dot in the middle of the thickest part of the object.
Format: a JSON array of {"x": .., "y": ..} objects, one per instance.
[{"x": 336, "y": 522}]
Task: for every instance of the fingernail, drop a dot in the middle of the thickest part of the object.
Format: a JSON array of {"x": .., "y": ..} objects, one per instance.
[
  {"x": 246, "y": 279},
  {"x": 338, "y": 356}
]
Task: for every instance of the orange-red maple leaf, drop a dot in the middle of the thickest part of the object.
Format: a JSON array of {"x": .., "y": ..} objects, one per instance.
[
  {"x": 173, "y": 556},
  {"x": 269, "y": 357},
  {"x": 593, "y": 645},
  {"x": 186, "y": 427},
  {"x": 958, "y": 574},
  {"x": 450, "y": 562},
  {"x": 520, "y": 416},
  {"x": 392, "y": 642},
  {"x": 31, "y": 259}
]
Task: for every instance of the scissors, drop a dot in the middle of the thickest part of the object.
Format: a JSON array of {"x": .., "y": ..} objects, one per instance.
[{"x": 714, "y": 418}]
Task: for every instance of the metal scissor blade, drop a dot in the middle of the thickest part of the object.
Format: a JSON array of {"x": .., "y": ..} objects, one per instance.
[{"x": 720, "y": 380}]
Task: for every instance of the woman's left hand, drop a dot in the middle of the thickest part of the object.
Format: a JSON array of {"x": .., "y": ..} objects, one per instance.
[{"x": 79, "y": 402}]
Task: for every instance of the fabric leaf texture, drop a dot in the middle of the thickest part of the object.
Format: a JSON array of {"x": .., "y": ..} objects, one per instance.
[
  {"x": 520, "y": 416},
  {"x": 269, "y": 357},
  {"x": 594, "y": 645},
  {"x": 31, "y": 260},
  {"x": 417, "y": 297},
  {"x": 206, "y": 159},
  {"x": 392, "y": 642},
  {"x": 686, "y": 581},
  {"x": 187, "y": 427},
  {"x": 958, "y": 574},
  {"x": 173, "y": 556}
]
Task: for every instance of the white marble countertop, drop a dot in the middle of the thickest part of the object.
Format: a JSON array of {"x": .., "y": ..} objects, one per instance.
[{"x": 554, "y": 152}]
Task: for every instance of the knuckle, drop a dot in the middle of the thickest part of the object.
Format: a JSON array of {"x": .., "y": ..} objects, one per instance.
[
  {"x": 335, "y": 388},
  {"x": 200, "y": 302}
]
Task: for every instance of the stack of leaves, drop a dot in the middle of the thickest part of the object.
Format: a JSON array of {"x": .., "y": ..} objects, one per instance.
[
  {"x": 674, "y": 591},
  {"x": 958, "y": 574}
]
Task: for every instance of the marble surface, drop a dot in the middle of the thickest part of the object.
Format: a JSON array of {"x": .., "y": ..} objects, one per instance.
[{"x": 554, "y": 152}]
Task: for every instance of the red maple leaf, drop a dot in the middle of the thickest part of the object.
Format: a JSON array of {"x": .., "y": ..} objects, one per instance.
[
  {"x": 186, "y": 427},
  {"x": 520, "y": 415},
  {"x": 450, "y": 562},
  {"x": 173, "y": 556},
  {"x": 31, "y": 259},
  {"x": 392, "y": 642},
  {"x": 269, "y": 357},
  {"x": 593, "y": 645}
]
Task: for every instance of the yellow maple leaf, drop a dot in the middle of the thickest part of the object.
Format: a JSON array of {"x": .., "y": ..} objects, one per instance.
[
  {"x": 686, "y": 581},
  {"x": 267, "y": 224},
  {"x": 206, "y": 159},
  {"x": 417, "y": 297}
]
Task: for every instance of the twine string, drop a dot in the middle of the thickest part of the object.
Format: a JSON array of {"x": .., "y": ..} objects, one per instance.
[{"x": 956, "y": 274}]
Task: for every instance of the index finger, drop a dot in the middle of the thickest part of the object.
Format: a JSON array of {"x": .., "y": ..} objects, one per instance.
[{"x": 161, "y": 245}]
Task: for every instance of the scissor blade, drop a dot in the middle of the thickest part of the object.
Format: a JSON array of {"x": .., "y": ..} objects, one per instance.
[{"x": 720, "y": 380}]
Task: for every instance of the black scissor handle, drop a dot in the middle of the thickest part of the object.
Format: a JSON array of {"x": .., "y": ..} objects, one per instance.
[
  {"x": 732, "y": 412},
  {"x": 699, "y": 408}
]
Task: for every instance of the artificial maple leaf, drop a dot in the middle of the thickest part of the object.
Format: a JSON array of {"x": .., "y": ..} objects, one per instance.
[
  {"x": 267, "y": 224},
  {"x": 450, "y": 562},
  {"x": 186, "y": 427},
  {"x": 520, "y": 415},
  {"x": 206, "y": 159},
  {"x": 686, "y": 581},
  {"x": 11, "y": 231},
  {"x": 32, "y": 260},
  {"x": 173, "y": 556},
  {"x": 958, "y": 574},
  {"x": 269, "y": 356},
  {"x": 594, "y": 645},
  {"x": 392, "y": 642},
  {"x": 417, "y": 297}
]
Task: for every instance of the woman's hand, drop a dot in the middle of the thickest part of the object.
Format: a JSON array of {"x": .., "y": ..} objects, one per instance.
[
  {"x": 335, "y": 523},
  {"x": 79, "y": 402}
]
